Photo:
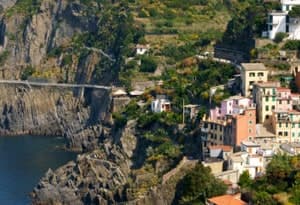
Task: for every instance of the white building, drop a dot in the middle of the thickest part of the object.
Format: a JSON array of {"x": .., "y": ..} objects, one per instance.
[
  {"x": 142, "y": 49},
  {"x": 161, "y": 104},
  {"x": 280, "y": 21}
]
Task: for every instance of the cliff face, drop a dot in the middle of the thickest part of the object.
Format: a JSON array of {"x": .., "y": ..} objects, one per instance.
[
  {"x": 45, "y": 35},
  {"x": 52, "y": 111}
]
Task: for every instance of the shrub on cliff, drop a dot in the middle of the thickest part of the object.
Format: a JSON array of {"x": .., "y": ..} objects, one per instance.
[
  {"x": 198, "y": 185},
  {"x": 148, "y": 64}
]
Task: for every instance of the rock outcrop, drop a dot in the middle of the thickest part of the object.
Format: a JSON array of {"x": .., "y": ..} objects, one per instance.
[
  {"x": 53, "y": 111},
  {"x": 95, "y": 178}
]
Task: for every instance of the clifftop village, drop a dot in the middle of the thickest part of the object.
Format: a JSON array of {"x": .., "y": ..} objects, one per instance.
[{"x": 247, "y": 129}]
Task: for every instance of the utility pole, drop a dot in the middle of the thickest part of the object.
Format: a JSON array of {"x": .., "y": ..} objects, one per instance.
[{"x": 183, "y": 111}]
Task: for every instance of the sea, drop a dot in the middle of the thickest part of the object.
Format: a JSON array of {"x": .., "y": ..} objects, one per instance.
[{"x": 24, "y": 160}]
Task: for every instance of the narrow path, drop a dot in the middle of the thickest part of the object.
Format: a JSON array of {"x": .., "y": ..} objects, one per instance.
[{"x": 47, "y": 84}]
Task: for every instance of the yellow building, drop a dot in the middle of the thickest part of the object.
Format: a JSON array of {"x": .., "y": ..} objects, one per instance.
[
  {"x": 286, "y": 125},
  {"x": 252, "y": 73},
  {"x": 265, "y": 97}
]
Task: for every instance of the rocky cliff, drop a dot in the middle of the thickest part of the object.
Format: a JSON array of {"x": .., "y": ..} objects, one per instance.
[
  {"x": 53, "y": 111},
  {"x": 58, "y": 40}
]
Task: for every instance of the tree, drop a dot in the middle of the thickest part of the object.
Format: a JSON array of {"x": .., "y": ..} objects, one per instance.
[
  {"x": 279, "y": 171},
  {"x": 148, "y": 64},
  {"x": 263, "y": 198},
  {"x": 295, "y": 12},
  {"x": 245, "y": 180},
  {"x": 198, "y": 185},
  {"x": 279, "y": 37}
]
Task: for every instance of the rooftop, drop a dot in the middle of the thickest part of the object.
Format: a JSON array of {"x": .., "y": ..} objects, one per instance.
[
  {"x": 263, "y": 131},
  {"x": 119, "y": 92},
  {"x": 191, "y": 106},
  {"x": 226, "y": 200},
  {"x": 282, "y": 89},
  {"x": 225, "y": 148},
  {"x": 250, "y": 144},
  {"x": 254, "y": 67},
  {"x": 236, "y": 97},
  {"x": 147, "y": 46},
  {"x": 269, "y": 84}
]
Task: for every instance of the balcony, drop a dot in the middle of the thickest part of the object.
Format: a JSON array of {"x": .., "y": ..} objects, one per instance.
[{"x": 206, "y": 130}]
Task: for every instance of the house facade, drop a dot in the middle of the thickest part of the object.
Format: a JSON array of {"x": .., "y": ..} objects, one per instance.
[
  {"x": 161, "y": 104},
  {"x": 265, "y": 98},
  {"x": 280, "y": 21},
  {"x": 252, "y": 73},
  {"x": 234, "y": 122},
  {"x": 230, "y": 106},
  {"x": 286, "y": 125}
]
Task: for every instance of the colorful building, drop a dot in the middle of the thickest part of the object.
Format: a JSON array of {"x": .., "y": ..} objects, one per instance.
[
  {"x": 231, "y": 106},
  {"x": 265, "y": 98},
  {"x": 235, "y": 122},
  {"x": 286, "y": 125},
  {"x": 252, "y": 73}
]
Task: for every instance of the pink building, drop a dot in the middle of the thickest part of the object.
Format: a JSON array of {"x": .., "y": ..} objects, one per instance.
[
  {"x": 231, "y": 106},
  {"x": 284, "y": 99}
]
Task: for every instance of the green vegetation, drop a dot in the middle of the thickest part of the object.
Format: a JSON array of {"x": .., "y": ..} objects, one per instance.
[
  {"x": 3, "y": 57},
  {"x": 24, "y": 7},
  {"x": 292, "y": 45},
  {"x": 295, "y": 12},
  {"x": 148, "y": 64},
  {"x": 28, "y": 71},
  {"x": 282, "y": 178},
  {"x": 279, "y": 37},
  {"x": 199, "y": 185}
]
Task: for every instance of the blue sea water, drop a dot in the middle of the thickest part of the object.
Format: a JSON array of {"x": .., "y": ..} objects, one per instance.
[{"x": 23, "y": 161}]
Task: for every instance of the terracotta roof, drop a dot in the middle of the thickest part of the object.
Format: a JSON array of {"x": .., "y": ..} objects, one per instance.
[
  {"x": 295, "y": 94},
  {"x": 269, "y": 84},
  {"x": 225, "y": 148},
  {"x": 226, "y": 200},
  {"x": 282, "y": 89}
]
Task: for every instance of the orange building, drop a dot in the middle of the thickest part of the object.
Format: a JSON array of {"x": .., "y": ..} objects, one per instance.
[
  {"x": 232, "y": 130},
  {"x": 242, "y": 127},
  {"x": 226, "y": 200}
]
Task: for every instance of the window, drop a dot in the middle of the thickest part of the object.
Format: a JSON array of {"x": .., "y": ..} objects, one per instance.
[
  {"x": 287, "y": 29},
  {"x": 280, "y": 102},
  {"x": 273, "y": 98},
  {"x": 250, "y": 121},
  {"x": 273, "y": 107},
  {"x": 293, "y": 134},
  {"x": 280, "y": 124},
  {"x": 293, "y": 125},
  {"x": 267, "y": 108},
  {"x": 286, "y": 134},
  {"x": 279, "y": 133},
  {"x": 287, "y": 20},
  {"x": 267, "y": 99},
  {"x": 299, "y": 125},
  {"x": 260, "y": 74},
  {"x": 270, "y": 27},
  {"x": 252, "y": 74},
  {"x": 286, "y": 124},
  {"x": 250, "y": 130}
]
